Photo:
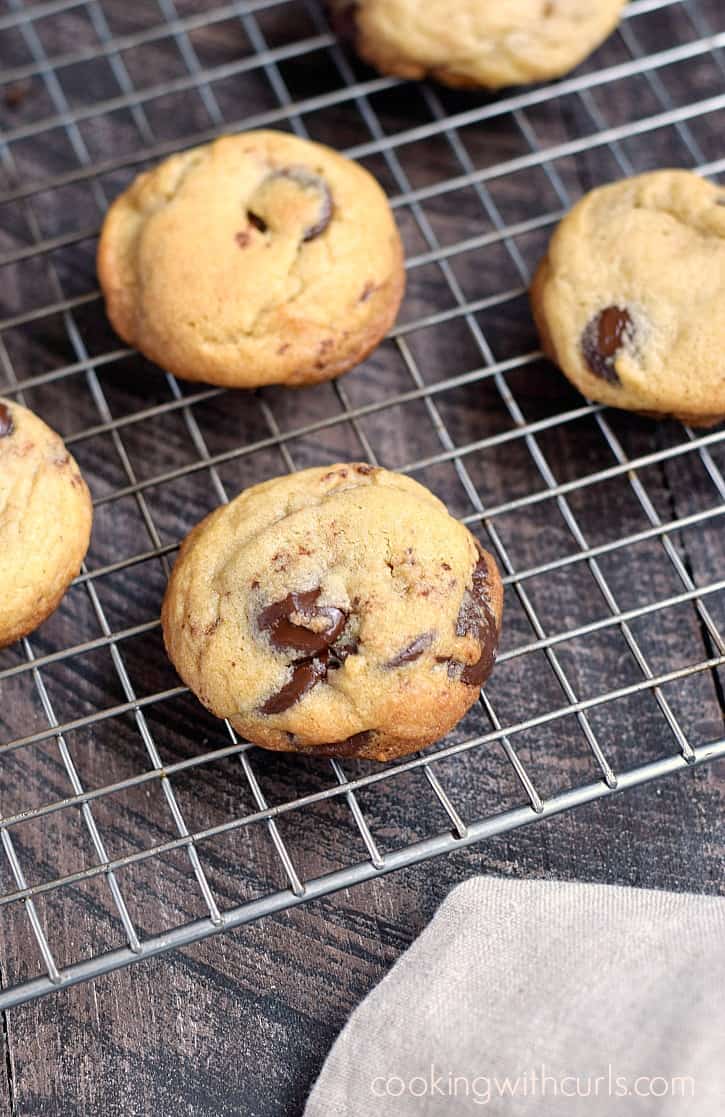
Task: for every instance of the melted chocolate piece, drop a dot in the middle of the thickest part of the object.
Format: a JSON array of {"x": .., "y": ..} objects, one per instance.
[
  {"x": 307, "y": 180},
  {"x": 413, "y": 651},
  {"x": 285, "y": 633},
  {"x": 258, "y": 222},
  {"x": 319, "y": 652},
  {"x": 602, "y": 339},
  {"x": 475, "y": 674},
  {"x": 305, "y": 675},
  {"x": 351, "y": 746},
  {"x": 6, "y": 421},
  {"x": 340, "y": 651},
  {"x": 475, "y": 618}
]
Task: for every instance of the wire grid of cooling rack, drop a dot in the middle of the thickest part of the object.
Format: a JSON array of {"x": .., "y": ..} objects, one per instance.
[{"x": 115, "y": 785}]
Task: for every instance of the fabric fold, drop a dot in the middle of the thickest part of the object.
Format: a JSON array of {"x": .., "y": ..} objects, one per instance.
[{"x": 541, "y": 997}]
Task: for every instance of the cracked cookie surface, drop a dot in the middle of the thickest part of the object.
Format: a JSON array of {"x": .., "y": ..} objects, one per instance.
[
  {"x": 260, "y": 258},
  {"x": 339, "y": 611},
  {"x": 45, "y": 520},
  {"x": 630, "y": 298},
  {"x": 475, "y": 43}
]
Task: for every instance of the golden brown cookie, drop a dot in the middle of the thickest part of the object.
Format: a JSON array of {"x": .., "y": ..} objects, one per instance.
[
  {"x": 258, "y": 259},
  {"x": 45, "y": 521},
  {"x": 487, "y": 43},
  {"x": 630, "y": 298},
  {"x": 340, "y": 611}
]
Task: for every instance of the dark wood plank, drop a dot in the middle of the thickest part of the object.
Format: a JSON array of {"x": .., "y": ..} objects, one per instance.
[{"x": 241, "y": 1024}]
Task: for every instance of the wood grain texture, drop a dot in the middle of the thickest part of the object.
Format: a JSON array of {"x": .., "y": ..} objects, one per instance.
[{"x": 240, "y": 1024}]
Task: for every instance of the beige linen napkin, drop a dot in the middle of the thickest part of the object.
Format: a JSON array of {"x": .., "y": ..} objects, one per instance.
[{"x": 541, "y": 997}]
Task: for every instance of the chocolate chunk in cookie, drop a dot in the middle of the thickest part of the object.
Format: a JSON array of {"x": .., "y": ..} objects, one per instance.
[
  {"x": 317, "y": 186},
  {"x": 603, "y": 338},
  {"x": 297, "y": 622},
  {"x": 6, "y": 421},
  {"x": 356, "y": 745},
  {"x": 305, "y": 675},
  {"x": 292, "y": 196},
  {"x": 412, "y": 651},
  {"x": 476, "y": 618}
]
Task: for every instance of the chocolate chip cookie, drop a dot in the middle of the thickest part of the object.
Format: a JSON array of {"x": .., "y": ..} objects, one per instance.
[
  {"x": 258, "y": 259},
  {"x": 630, "y": 298},
  {"x": 340, "y": 611},
  {"x": 475, "y": 43},
  {"x": 45, "y": 521}
]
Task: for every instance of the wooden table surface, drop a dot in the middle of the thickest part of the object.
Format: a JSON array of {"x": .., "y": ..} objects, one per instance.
[{"x": 241, "y": 1023}]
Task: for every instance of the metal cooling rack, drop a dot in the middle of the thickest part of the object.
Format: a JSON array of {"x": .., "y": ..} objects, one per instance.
[{"x": 132, "y": 822}]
